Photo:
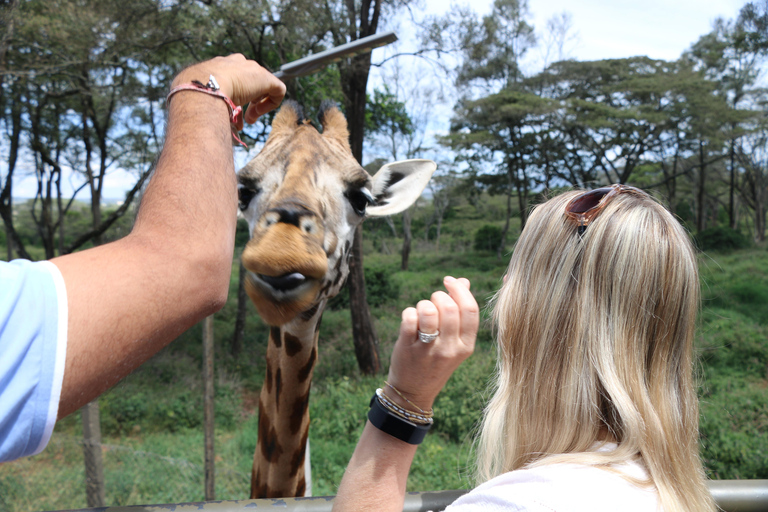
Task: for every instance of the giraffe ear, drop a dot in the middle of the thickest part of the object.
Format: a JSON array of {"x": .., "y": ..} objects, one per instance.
[
  {"x": 287, "y": 119},
  {"x": 334, "y": 123},
  {"x": 397, "y": 185}
]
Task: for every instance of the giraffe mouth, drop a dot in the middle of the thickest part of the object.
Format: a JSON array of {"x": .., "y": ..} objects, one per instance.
[
  {"x": 287, "y": 287},
  {"x": 285, "y": 282}
]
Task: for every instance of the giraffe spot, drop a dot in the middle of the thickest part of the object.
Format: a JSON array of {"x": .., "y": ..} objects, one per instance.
[
  {"x": 306, "y": 371},
  {"x": 268, "y": 378},
  {"x": 325, "y": 288},
  {"x": 268, "y": 441},
  {"x": 298, "y": 413},
  {"x": 292, "y": 344},
  {"x": 301, "y": 487},
  {"x": 278, "y": 387},
  {"x": 338, "y": 278},
  {"x": 297, "y": 461},
  {"x": 308, "y": 314},
  {"x": 258, "y": 488},
  {"x": 275, "y": 337}
]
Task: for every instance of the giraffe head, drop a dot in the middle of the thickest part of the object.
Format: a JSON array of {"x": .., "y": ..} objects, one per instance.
[{"x": 303, "y": 196}]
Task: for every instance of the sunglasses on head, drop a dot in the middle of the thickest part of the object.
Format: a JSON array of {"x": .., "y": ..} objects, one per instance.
[{"x": 585, "y": 207}]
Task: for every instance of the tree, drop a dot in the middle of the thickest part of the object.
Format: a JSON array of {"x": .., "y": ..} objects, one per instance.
[
  {"x": 399, "y": 134},
  {"x": 731, "y": 56},
  {"x": 752, "y": 155},
  {"x": 350, "y": 21}
]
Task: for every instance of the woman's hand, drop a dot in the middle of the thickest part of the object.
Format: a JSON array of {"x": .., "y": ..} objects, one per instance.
[{"x": 420, "y": 370}]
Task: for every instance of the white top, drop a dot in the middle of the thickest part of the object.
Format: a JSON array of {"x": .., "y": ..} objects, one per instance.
[
  {"x": 562, "y": 488},
  {"x": 33, "y": 346}
]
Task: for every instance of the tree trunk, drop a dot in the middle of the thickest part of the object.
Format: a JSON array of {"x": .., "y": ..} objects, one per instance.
[
  {"x": 242, "y": 305},
  {"x": 406, "y": 253},
  {"x": 354, "y": 83},
  {"x": 94, "y": 465},
  {"x": 732, "y": 189},
  {"x": 700, "y": 196},
  {"x": 505, "y": 230},
  {"x": 9, "y": 243},
  {"x": 366, "y": 344}
]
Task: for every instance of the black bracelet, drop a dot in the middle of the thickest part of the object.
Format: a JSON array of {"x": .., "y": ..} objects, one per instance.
[{"x": 395, "y": 426}]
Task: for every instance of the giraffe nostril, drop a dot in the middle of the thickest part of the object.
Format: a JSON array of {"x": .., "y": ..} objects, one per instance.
[{"x": 284, "y": 282}]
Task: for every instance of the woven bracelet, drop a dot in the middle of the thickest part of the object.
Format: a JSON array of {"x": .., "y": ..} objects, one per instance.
[{"x": 212, "y": 88}]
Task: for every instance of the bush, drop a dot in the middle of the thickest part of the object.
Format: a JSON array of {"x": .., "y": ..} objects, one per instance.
[
  {"x": 487, "y": 238},
  {"x": 721, "y": 239},
  {"x": 380, "y": 289}
]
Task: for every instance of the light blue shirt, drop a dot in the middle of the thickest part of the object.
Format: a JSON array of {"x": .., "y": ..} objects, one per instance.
[{"x": 33, "y": 345}]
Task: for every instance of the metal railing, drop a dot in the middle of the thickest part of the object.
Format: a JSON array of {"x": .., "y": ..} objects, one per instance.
[{"x": 730, "y": 495}]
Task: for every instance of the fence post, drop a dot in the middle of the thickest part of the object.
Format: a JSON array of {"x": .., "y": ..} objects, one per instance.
[
  {"x": 94, "y": 464},
  {"x": 208, "y": 402}
]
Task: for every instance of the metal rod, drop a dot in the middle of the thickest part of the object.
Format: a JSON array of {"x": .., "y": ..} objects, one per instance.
[
  {"x": 730, "y": 495},
  {"x": 312, "y": 63}
]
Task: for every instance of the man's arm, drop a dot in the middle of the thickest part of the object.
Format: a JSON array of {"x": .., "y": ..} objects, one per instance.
[{"x": 130, "y": 298}]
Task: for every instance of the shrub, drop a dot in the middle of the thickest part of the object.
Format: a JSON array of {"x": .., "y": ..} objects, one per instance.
[
  {"x": 721, "y": 239},
  {"x": 487, "y": 238},
  {"x": 380, "y": 289},
  {"x": 120, "y": 412}
]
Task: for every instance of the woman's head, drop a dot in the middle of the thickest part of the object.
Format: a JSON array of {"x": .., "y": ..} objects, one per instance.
[{"x": 595, "y": 334}]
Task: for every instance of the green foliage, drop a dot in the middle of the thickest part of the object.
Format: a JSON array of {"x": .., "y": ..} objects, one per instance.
[
  {"x": 384, "y": 113},
  {"x": 487, "y": 238},
  {"x": 734, "y": 412},
  {"x": 738, "y": 282},
  {"x": 723, "y": 239},
  {"x": 379, "y": 287}
]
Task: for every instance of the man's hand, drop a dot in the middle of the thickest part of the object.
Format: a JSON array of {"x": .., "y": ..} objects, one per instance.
[{"x": 242, "y": 80}]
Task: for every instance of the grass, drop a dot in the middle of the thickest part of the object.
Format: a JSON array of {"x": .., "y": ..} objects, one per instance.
[{"x": 152, "y": 433}]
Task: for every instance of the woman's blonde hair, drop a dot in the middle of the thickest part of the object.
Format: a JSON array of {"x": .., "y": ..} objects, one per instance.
[{"x": 595, "y": 343}]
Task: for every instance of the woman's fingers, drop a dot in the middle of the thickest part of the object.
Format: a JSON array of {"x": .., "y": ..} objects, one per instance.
[
  {"x": 467, "y": 305},
  {"x": 409, "y": 324},
  {"x": 429, "y": 317}
]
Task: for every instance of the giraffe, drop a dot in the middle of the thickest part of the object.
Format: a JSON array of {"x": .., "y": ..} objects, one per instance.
[{"x": 303, "y": 196}]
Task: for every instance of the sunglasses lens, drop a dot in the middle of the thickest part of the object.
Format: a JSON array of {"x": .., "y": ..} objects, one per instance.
[{"x": 588, "y": 200}]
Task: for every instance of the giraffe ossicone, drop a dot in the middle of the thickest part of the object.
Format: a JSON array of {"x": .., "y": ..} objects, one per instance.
[{"x": 303, "y": 196}]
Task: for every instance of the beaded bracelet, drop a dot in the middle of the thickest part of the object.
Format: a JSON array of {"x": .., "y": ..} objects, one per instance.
[{"x": 399, "y": 411}]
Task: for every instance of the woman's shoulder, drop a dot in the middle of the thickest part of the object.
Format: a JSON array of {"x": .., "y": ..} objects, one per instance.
[{"x": 564, "y": 488}]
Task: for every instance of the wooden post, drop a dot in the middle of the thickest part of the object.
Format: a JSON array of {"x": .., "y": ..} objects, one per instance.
[
  {"x": 94, "y": 465},
  {"x": 208, "y": 395}
]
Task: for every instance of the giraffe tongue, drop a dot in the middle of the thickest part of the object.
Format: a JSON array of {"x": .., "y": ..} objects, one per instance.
[{"x": 284, "y": 282}]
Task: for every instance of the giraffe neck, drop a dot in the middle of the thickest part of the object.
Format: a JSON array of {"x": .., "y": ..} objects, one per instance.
[{"x": 278, "y": 465}]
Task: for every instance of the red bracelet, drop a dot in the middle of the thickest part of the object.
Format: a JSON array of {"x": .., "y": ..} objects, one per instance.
[{"x": 212, "y": 88}]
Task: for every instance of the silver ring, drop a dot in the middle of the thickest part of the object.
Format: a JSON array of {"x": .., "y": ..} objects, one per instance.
[{"x": 427, "y": 338}]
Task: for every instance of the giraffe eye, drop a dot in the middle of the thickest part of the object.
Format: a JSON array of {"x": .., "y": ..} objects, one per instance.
[
  {"x": 245, "y": 195},
  {"x": 359, "y": 199}
]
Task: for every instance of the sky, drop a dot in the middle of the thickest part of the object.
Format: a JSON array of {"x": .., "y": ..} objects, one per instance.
[{"x": 660, "y": 29}]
